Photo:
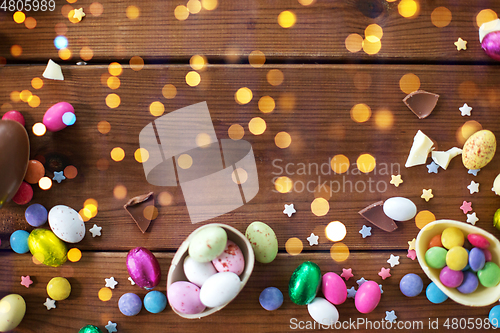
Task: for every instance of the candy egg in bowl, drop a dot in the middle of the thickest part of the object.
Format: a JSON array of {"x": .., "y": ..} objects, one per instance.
[
  {"x": 482, "y": 296},
  {"x": 187, "y": 276}
]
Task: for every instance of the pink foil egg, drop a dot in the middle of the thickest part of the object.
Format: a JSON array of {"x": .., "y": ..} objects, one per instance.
[
  {"x": 491, "y": 45},
  {"x": 184, "y": 297},
  {"x": 143, "y": 268},
  {"x": 334, "y": 288},
  {"x": 53, "y": 117},
  {"x": 367, "y": 297},
  {"x": 230, "y": 260}
]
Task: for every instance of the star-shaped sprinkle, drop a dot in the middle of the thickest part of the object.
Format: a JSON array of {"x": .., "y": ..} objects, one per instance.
[
  {"x": 393, "y": 260},
  {"x": 79, "y": 14},
  {"x": 95, "y": 230},
  {"x": 111, "y": 327},
  {"x": 59, "y": 176},
  {"x": 360, "y": 281},
  {"x": 472, "y": 218},
  {"x": 289, "y": 210},
  {"x": 381, "y": 290},
  {"x": 50, "y": 304},
  {"x": 384, "y": 273},
  {"x": 351, "y": 292},
  {"x": 461, "y": 44},
  {"x": 111, "y": 283},
  {"x": 412, "y": 254},
  {"x": 473, "y": 171},
  {"x": 465, "y": 110},
  {"x": 427, "y": 194},
  {"x": 132, "y": 282},
  {"x": 347, "y": 273},
  {"x": 365, "y": 231},
  {"x": 411, "y": 244},
  {"x": 390, "y": 316},
  {"x": 396, "y": 180},
  {"x": 313, "y": 239},
  {"x": 26, "y": 281},
  {"x": 473, "y": 187},
  {"x": 433, "y": 167},
  {"x": 466, "y": 207}
]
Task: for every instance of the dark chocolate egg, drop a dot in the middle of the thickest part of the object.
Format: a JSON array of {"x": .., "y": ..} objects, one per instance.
[
  {"x": 491, "y": 45},
  {"x": 14, "y": 157}
]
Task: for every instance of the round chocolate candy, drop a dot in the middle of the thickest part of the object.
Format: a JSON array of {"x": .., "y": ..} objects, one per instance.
[
  {"x": 155, "y": 301},
  {"x": 450, "y": 278},
  {"x": 411, "y": 285},
  {"x": 19, "y": 241},
  {"x": 469, "y": 284},
  {"x": 435, "y": 257},
  {"x": 457, "y": 258},
  {"x": 130, "y": 304},
  {"x": 36, "y": 215},
  {"x": 451, "y": 237},
  {"x": 494, "y": 316},
  {"x": 304, "y": 283},
  {"x": 434, "y": 294},
  {"x": 271, "y": 298},
  {"x": 489, "y": 276},
  {"x": 477, "y": 259}
]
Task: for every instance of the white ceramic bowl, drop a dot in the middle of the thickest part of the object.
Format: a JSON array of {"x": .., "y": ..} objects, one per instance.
[
  {"x": 176, "y": 271},
  {"x": 482, "y": 296}
]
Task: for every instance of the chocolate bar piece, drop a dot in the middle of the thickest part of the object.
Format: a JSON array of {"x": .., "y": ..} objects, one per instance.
[
  {"x": 421, "y": 102},
  {"x": 135, "y": 207},
  {"x": 374, "y": 213}
]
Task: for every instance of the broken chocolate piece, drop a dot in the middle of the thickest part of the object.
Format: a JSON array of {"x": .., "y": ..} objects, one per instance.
[
  {"x": 135, "y": 207},
  {"x": 421, "y": 102},
  {"x": 374, "y": 213}
]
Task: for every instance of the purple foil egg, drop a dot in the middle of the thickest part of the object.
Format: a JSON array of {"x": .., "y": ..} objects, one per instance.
[
  {"x": 491, "y": 45},
  {"x": 143, "y": 268}
]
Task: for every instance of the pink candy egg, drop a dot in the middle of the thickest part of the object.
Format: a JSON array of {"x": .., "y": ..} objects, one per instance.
[
  {"x": 14, "y": 115},
  {"x": 24, "y": 194},
  {"x": 334, "y": 288},
  {"x": 478, "y": 241},
  {"x": 143, "y": 268},
  {"x": 491, "y": 45},
  {"x": 367, "y": 297},
  {"x": 230, "y": 260},
  {"x": 53, "y": 117},
  {"x": 184, "y": 297}
]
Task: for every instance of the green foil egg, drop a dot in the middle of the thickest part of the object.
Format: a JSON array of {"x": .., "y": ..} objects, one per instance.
[
  {"x": 263, "y": 240},
  {"x": 304, "y": 283},
  {"x": 90, "y": 329},
  {"x": 208, "y": 243},
  {"x": 47, "y": 248}
]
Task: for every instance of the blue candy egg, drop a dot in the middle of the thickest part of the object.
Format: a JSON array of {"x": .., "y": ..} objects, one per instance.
[
  {"x": 271, "y": 298},
  {"x": 470, "y": 283},
  {"x": 36, "y": 215},
  {"x": 494, "y": 316},
  {"x": 434, "y": 294},
  {"x": 411, "y": 285},
  {"x": 130, "y": 304},
  {"x": 19, "y": 241},
  {"x": 477, "y": 259},
  {"x": 155, "y": 301}
]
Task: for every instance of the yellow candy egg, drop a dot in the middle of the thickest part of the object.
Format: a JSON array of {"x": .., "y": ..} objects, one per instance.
[
  {"x": 479, "y": 149},
  {"x": 12, "y": 310},
  {"x": 457, "y": 258},
  {"x": 47, "y": 248},
  {"x": 451, "y": 237},
  {"x": 58, "y": 288}
]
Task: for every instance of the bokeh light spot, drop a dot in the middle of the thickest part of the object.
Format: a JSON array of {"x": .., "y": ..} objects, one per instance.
[
  {"x": 181, "y": 13},
  {"x": 74, "y": 255},
  {"x": 423, "y": 218},
  {"x": 25, "y": 95},
  {"x": 194, "y": 6},
  {"x": 103, "y": 127},
  {"x": 156, "y": 108},
  {"x": 150, "y": 212},
  {"x": 366, "y": 163},
  {"x": 65, "y": 54},
  {"x": 441, "y": 17},
  {"x": 209, "y": 4},
  {"x": 354, "y": 43},
  {"x": 283, "y": 184},
  {"x": 236, "y": 131},
  {"x": 287, "y": 19},
  {"x": 113, "y": 101},
  {"x": 256, "y": 59},
  {"x": 45, "y": 183},
  {"x": 115, "y": 69},
  {"x": 193, "y": 79},
  {"x": 339, "y": 252},
  {"x": 266, "y": 104},
  {"x": 306, "y": 2},
  {"x": 113, "y": 82},
  {"x": 39, "y": 129},
  {"x": 102, "y": 164},
  {"x": 141, "y": 155},
  {"x": 117, "y": 154},
  {"x": 203, "y": 140},
  {"x": 257, "y": 126},
  {"x": 165, "y": 198},
  {"x": 15, "y": 96},
  {"x": 69, "y": 118},
  {"x": 374, "y": 33},
  {"x": 294, "y": 246},
  {"x": 323, "y": 191},
  {"x": 136, "y": 63},
  {"x": 34, "y": 101},
  {"x": 362, "y": 81},
  {"x": 19, "y": 17},
  {"x": 409, "y": 83},
  {"x": 466, "y": 130},
  {"x": 275, "y": 77},
  {"x": 485, "y": 15},
  {"x": 96, "y": 9},
  {"x": 70, "y": 172},
  {"x": 30, "y": 22},
  {"x": 60, "y": 42},
  {"x": 132, "y": 12},
  {"x": 320, "y": 207},
  {"x": 360, "y": 113},
  {"x": 185, "y": 161},
  {"x": 120, "y": 192},
  {"x": 339, "y": 163},
  {"x": 16, "y": 50},
  {"x": 283, "y": 140},
  {"x": 243, "y": 95},
  {"x": 198, "y": 62},
  {"x": 335, "y": 231},
  {"x": 169, "y": 91},
  {"x": 86, "y": 53},
  {"x": 239, "y": 176},
  {"x": 105, "y": 294},
  {"x": 384, "y": 119},
  {"x": 408, "y": 8},
  {"x": 371, "y": 47}
]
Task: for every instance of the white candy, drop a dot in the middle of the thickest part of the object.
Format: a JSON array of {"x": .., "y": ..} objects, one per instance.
[
  {"x": 399, "y": 208},
  {"x": 323, "y": 312},
  {"x": 220, "y": 289},
  {"x": 66, "y": 224},
  {"x": 198, "y": 272}
]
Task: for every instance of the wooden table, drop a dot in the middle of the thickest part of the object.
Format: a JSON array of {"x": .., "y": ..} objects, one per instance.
[{"x": 322, "y": 82}]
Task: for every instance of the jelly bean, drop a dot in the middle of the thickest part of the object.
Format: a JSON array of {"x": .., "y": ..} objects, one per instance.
[
  {"x": 478, "y": 241},
  {"x": 434, "y": 294},
  {"x": 494, "y": 316},
  {"x": 411, "y": 285},
  {"x": 36, "y": 215},
  {"x": 489, "y": 276},
  {"x": 476, "y": 259},
  {"x": 271, "y": 298},
  {"x": 457, "y": 258},
  {"x": 436, "y": 241},
  {"x": 469, "y": 284},
  {"x": 451, "y": 237},
  {"x": 155, "y": 301},
  {"x": 19, "y": 241},
  {"x": 435, "y": 257},
  {"x": 450, "y": 278},
  {"x": 58, "y": 288},
  {"x": 130, "y": 304},
  {"x": 487, "y": 255}
]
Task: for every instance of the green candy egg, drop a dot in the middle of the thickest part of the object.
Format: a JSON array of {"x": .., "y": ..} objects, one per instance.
[
  {"x": 207, "y": 243},
  {"x": 47, "y": 248},
  {"x": 489, "y": 276},
  {"x": 435, "y": 257},
  {"x": 264, "y": 241},
  {"x": 90, "y": 329},
  {"x": 304, "y": 283}
]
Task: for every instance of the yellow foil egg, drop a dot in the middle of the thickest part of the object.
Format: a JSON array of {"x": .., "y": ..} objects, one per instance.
[
  {"x": 479, "y": 149},
  {"x": 47, "y": 248},
  {"x": 58, "y": 288},
  {"x": 12, "y": 310}
]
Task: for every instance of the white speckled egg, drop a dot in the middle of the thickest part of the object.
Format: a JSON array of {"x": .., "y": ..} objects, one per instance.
[
  {"x": 399, "y": 208},
  {"x": 66, "y": 224},
  {"x": 198, "y": 272},
  {"x": 12, "y": 310},
  {"x": 220, "y": 289}
]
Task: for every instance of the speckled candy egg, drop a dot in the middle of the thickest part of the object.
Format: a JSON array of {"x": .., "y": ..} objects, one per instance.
[
  {"x": 264, "y": 241},
  {"x": 184, "y": 297},
  {"x": 47, "y": 248},
  {"x": 479, "y": 149},
  {"x": 207, "y": 244},
  {"x": 66, "y": 224},
  {"x": 323, "y": 312},
  {"x": 230, "y": 260},
  {"x": 399, "y": 208},
  {"x": 304, "y": 283},
  {"x": 220, "y": 289},
  {"x": 367, "y": 297},
  {"x": 334, "y": 288},
  {"x": 12, "y": 310},
  {"x": 198, "y": 272}
]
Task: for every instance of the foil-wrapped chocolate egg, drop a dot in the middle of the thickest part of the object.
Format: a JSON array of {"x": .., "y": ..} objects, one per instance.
[
  {"x": 489, "y": 37},
  {"x": 143, "y": 268}
]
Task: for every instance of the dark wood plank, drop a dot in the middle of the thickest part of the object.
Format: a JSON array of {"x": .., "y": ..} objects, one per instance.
[{"x": 234, "y": 29}]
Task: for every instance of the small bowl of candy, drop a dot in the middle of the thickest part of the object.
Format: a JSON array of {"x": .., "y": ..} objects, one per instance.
[
  {"x": 209, "y": 270},
  {"x": 462, "y": 260}
]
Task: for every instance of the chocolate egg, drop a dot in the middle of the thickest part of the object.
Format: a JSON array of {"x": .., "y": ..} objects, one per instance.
[
  {"x": 14, "y": 157},
  {"x": 491, "y": 45},
  {"x": 304, "y": 283},
  {"x": 143, "y": 268},
  {"x": 47, "y": 248}
]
